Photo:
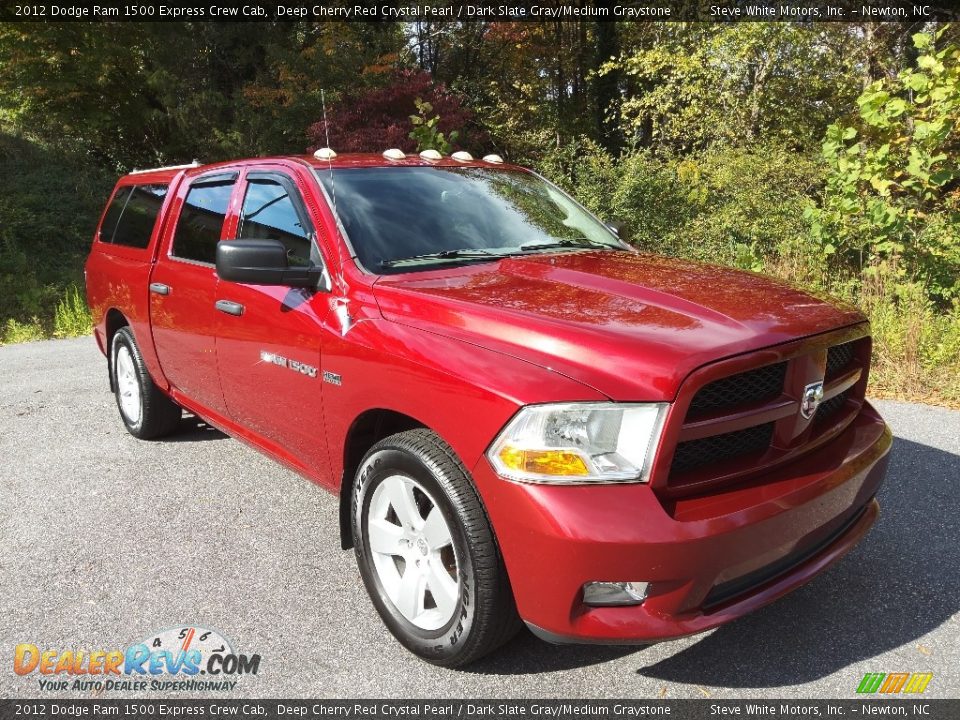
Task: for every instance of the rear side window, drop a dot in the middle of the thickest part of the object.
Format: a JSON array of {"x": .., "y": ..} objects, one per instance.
[
  {"x": 139, "y": 216},
  {"x": 114, "y": 211},
  {"x": 201, "y": 221},
  {"x": 132, "y": 214}
]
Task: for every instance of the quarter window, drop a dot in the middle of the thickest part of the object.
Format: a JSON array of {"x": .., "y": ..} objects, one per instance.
[
  {"x": 114, "y": 211},
  {"x": 269, "y": 213},
  {"x": 201, "y": 221},
  {"x": 139, "y": 216}
]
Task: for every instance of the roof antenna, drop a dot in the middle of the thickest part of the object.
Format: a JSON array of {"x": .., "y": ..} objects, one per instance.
[{"x": 330, "y": 154}]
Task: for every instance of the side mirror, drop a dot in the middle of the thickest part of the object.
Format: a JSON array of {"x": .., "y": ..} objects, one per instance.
[
  {"x": 262, "y": 262},
  {"x": 618, "y": 228}
]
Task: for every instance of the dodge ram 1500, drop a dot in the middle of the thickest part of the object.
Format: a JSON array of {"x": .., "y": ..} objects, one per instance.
[{"x": 527, "y": 420}]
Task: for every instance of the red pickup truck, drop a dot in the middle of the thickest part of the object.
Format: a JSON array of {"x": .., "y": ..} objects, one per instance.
[{"x": 524, "y": 417}]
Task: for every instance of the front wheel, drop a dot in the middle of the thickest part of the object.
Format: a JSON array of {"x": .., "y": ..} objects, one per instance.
[{"x": 427, "y": 553}]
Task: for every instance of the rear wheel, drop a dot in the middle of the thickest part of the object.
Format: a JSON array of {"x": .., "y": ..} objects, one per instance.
[
  {"x": 427, "y": 553},
  {"x": 146, "y": 412}
]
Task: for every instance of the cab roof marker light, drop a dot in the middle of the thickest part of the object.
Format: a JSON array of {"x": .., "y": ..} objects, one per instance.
[
  {"x": 394, "y": 154},
  {"x": 462, "y": 156},
  {"x": 493, "y": 158},
  {"x": 325, "y": 153},
  {"x": 431, "y": 155}
]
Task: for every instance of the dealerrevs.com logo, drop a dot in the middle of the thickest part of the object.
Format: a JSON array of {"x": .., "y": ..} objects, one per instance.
[{"x": 189, "y": 658}]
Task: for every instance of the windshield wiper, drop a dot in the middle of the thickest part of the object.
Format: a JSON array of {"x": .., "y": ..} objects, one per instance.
[
  {"x": 471, "y": 253},
  {"x": 568, "y": 243}
]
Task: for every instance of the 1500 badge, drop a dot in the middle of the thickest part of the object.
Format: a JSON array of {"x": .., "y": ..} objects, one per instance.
[{"x": 295, "y": 365}]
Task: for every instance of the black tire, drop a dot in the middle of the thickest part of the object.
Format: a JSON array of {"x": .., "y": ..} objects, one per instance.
[
  {"x": 485, "y": 615},
  {"x": 158, "y": 415}
]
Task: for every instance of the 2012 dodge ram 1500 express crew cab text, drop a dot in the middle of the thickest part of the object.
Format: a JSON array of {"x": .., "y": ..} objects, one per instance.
[{"x": 525, "y": 418}]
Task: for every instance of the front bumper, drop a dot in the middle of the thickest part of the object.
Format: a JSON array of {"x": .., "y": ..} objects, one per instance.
[{"x": 708, "y": 559}]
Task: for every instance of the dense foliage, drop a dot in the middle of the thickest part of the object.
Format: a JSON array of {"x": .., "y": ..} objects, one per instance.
[
  {"x": 823, "y": 153},
  {"x": 892, "y": 202},
  {"x": 49, "y": 203},
  {"x": 373, "y": 119}
]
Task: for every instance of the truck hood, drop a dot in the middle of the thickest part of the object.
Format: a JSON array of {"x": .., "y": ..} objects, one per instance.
[{"x": 630, "y": 325}]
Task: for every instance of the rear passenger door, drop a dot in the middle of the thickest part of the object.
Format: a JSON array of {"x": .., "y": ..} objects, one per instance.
[
  {"x": 183, "y": 289},
  {"x": 268, "y": 341},
  {"x": 118, "y": 268}
]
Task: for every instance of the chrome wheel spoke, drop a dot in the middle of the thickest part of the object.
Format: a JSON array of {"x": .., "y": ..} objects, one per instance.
[
  {"x": 400, "y": 492},
  {"x": 442, "y": 587},
  {"x": 385, "y": 537},
  {"x": 410, "y": 594},
  {"x": 435, "y": 530}
]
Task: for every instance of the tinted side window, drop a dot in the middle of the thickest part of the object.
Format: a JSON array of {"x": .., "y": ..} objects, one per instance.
[
  {"x": 201, "y": 221},
  {"x": 269, "y": 213},
  {"x": 139, "y": 216},
  {"x": 114, "y": 211}
]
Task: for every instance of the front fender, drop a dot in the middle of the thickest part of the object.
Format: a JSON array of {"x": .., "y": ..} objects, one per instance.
[{"x": 463, "y": 392}]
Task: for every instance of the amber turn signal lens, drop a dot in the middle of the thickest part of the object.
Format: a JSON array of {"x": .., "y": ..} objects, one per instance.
[{"x": 545, "y": 462}]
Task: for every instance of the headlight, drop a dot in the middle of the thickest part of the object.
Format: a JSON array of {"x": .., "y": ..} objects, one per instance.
[{"x": 579, "y": 443}]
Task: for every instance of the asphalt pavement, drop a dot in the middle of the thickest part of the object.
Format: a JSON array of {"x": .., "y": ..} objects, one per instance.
[{"x": 105, "y": 540}]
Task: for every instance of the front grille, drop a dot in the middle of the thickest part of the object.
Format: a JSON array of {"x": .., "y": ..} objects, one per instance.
[
  {"x": 705, "y": 451},
  {"x": 830, "y": 408},
  {"x": 839, "y": 358},
  {"x": 753, "y": 386},
  {"x": 763, "y": 395}
]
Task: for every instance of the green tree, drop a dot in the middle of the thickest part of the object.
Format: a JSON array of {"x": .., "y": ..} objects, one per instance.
[
  {"x": 892, "y": 199},
  {"x": 694, "y": 84},
  {"x": 135, "y": 94},
  {"x": 426, "y": 130}
]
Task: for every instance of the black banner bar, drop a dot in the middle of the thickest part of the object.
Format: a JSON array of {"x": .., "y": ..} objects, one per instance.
[
  {"x": 898, "y": 11},
  {"x": 916, "y": 707}
]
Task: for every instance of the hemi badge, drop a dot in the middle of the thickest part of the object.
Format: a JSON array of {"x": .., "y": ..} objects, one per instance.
[{"x": 332, "y": 378}]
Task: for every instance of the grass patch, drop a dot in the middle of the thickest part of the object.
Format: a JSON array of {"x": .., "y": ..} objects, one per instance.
[
  {"x": 71, "y": 317},
  {"x": 15, "y": 331}
]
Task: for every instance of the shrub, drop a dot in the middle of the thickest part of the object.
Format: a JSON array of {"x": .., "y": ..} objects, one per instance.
[
  {"x": 892, "y": 197},
  {"x": 738, "y": 206},
  {"x": 50, "y": 203},
  {"x": 379, "y": 118},
  {"x": 72, "y": 316},
  {"x": 15, "y": 331}
]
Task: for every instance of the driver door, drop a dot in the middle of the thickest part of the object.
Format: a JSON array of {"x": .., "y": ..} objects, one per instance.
[{"x": 268, "y": 338}]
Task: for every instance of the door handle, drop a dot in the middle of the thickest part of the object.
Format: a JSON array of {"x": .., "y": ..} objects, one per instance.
[
  {"x": 160, "y": 288},
  {"x": 229, "y": 307}
]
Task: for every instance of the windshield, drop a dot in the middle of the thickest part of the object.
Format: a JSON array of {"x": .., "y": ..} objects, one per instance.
[{"x": 400, "y": 219}]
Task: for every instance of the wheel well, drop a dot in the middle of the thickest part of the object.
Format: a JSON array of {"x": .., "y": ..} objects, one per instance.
[
  {"x": 368, "y": 429},
  {"x": 114, "y": 321}
]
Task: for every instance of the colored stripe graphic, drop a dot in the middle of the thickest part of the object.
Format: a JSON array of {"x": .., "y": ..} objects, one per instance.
[
  {"x": 871, "y": 682},
  {"x": 918, "y": 682},
  {"x": 894, "y": 682}
]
